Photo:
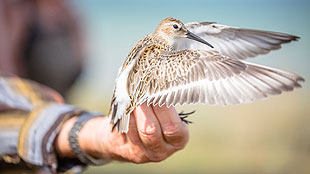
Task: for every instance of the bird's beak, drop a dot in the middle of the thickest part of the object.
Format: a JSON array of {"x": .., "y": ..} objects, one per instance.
[{"x": 193, "y": 36}]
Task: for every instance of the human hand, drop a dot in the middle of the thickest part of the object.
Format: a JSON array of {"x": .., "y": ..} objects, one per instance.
[{"x": 154, "y": 134}]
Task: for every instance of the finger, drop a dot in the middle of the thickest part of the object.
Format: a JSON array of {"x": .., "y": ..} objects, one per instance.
[
  {"x": 174, "y": 130},
  {"x": 132, "y": 134},
  {"x": 136, "y": 151},
  {"x": 149, "y": 128}
]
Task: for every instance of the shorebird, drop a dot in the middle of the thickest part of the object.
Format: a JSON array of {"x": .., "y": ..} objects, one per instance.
[{"x": 197, "y": 62}]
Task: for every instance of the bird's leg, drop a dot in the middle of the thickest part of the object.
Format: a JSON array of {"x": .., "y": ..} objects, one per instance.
[{"x": 183, "y": 116}]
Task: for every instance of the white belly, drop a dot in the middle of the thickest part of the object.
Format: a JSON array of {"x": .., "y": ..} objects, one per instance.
[{"x": 121, "y": 94}]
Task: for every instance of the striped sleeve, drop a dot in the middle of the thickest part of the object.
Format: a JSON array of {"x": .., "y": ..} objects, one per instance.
[
  {"x": 21, "y": 94},
  {"x": 31, "y": 116}
]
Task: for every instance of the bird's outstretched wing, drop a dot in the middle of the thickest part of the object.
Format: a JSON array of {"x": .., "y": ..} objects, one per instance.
[
  {"x": 232, "y": 41},
  {"x": 198, "y": 76}
]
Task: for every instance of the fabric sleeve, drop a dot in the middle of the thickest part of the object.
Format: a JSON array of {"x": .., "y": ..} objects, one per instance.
[{"x": 31, "y": 116}]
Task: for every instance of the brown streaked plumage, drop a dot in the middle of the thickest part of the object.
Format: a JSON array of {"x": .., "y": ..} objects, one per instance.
[{"x": 157, "y": 73}]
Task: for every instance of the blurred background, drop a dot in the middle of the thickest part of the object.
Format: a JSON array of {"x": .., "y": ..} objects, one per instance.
[
  {"x": 270, "y": 136},
  {"x": 90, "y": 39}
]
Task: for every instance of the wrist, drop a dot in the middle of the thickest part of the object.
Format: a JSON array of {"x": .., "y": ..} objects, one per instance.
[
  {"x": 91, "y": 135},
  {"x": 99, "y": 141},
  {"x": 93, "y": 138}
]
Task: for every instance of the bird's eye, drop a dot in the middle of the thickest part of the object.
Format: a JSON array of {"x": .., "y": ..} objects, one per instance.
[{"x": 175, "y": 26}]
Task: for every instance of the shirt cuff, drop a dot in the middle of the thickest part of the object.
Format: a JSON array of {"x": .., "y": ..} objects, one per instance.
[{"x": 35, "y": 143}]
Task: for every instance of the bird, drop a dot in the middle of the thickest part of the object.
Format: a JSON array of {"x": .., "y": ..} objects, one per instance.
[{"x": 197, "y": 63}]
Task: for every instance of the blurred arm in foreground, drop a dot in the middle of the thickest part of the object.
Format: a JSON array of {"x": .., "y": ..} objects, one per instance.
[
  {"x": 34, "y": 127},
  {"x": 40, "y": 40}
]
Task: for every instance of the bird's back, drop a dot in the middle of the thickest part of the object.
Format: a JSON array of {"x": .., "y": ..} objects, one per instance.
[{"x": 130, "y": 64}]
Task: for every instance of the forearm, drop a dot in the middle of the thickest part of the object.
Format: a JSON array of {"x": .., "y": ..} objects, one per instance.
[
  {"x": 87, "y": 137},
  {"x": 33, "y": 117}
]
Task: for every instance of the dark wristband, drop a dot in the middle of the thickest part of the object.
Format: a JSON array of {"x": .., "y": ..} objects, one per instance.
[{"x": 74, "y": 143}]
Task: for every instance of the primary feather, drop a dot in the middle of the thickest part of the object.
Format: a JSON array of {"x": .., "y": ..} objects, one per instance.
[{"x": 234, "y": 42}]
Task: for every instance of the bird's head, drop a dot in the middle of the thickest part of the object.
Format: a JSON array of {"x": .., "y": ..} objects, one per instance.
[{"x": 171, "y": 29}]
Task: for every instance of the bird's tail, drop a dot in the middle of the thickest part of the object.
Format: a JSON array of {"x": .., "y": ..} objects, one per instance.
[
  {"x": 119, "y": 117},
  {"x": 123, "y": 123}
]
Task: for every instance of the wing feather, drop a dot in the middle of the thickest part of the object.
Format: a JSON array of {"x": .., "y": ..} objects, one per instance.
[
  {"x": 212, "y": 78},
  {"x": 234, "y": 42}
]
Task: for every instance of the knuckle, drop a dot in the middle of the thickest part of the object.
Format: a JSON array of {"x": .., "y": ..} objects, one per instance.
[
  {"x": 172, "y": 129},
  {"x": 150, "y": 137},
  {"x": 177, "y": 136},
  {"x": 149, "y": 130}
]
